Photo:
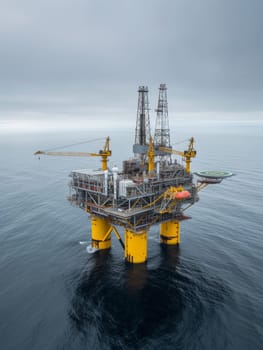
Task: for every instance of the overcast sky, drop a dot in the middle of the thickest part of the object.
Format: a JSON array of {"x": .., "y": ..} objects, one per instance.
[{"x": 83, "y": 57}]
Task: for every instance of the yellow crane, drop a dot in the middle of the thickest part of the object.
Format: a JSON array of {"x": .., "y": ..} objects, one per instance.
[
  {"x": 151, "y": 155},
  {"x": 104, "y": 154},
  {"x": 187, "y": 154}
]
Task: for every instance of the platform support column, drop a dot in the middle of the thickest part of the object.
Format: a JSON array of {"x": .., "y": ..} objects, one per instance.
[
  {"x": 100, "y": 233},
  {"x": 135, "y": 246},
  {"x": 170, "y": 232}
]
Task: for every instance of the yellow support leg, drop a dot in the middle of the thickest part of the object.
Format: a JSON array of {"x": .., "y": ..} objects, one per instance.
[
  {"x": 135, "y": 246},
  {"x": 100, "y": 233},
  {"x": 170, "y": 232}
]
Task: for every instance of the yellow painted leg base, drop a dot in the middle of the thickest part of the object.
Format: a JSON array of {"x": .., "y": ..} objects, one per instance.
[
  {"x": 135, "y": 247},
  {"x": 168, "y": 240},
  {"x": 100, "y": 233},
  {"x": 101, "y": 244},
  {"x": 170, "y": 232}
]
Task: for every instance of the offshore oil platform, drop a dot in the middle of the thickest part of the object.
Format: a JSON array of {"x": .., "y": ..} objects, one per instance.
[{"x": 152, "y": 188}]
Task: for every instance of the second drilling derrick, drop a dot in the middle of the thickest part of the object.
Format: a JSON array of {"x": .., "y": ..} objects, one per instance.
[{"x": 162, "y": 130}]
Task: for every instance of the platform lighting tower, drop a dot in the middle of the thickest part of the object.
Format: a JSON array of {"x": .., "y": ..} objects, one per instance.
[
  {"x": 142, "y": 131},
  {"x": 162, "y": 130}
]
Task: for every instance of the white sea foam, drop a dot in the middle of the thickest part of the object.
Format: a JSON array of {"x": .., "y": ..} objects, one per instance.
[{"x": 90, "y": 249}]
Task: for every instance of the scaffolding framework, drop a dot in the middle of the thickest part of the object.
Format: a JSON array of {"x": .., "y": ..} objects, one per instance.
[{"x": 135, "y": 202}]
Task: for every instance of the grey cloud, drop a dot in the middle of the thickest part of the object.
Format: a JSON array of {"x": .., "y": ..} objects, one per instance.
[{"x": 208, "y": 52}]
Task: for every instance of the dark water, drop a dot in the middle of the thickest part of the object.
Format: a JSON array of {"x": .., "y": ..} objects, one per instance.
[{"x": 207, "y": 294}]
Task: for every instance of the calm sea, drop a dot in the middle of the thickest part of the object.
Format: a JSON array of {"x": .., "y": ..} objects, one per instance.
[{"x": 55, "y": 294}]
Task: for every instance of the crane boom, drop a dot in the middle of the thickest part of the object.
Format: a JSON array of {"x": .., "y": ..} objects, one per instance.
[
  {"x": 70, "y": 154},
  {"x": 104, "y": 154},
  {"x": 187, "y": 154}
]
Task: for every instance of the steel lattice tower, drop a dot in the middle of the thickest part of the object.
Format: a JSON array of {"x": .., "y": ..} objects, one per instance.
[
  {"x": 142, "y": 131},
  {"x": 162, "y": 130}
]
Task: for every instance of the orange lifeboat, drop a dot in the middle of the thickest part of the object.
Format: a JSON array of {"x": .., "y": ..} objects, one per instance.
[{"x": 182, "y": 195}]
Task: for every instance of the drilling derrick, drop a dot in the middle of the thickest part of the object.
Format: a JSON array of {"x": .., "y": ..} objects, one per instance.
[
  {"x": 162, "y": 131},
  {"x": 142, "y": 131}
]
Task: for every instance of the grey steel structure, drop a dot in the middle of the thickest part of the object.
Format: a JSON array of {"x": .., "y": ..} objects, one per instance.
[{"x": 133, "y": 201}]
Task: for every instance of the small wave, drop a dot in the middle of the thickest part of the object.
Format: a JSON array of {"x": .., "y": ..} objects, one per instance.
[
  {"x": 153, "y": 238},
  {"x": 90, "y": 249},
  {"x": 83, "y": 242}
]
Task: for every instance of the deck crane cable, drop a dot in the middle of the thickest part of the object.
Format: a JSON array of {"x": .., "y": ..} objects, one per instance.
[
  {"x": 74, "y": 144},
  {"x": 179, "y": 142}
]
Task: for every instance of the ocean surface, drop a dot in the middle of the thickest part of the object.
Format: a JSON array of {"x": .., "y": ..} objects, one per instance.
[{"x": 56, "y": 294}]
